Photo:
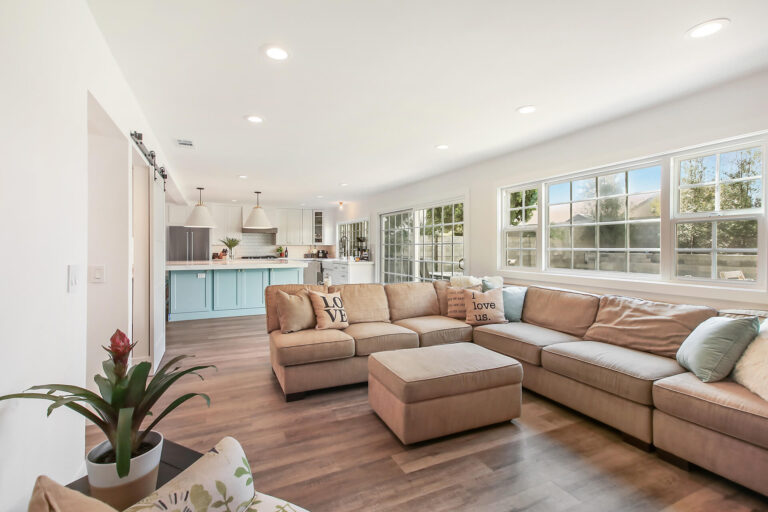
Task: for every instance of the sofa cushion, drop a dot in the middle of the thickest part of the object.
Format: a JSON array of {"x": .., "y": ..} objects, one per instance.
[
  {"x": 425, "y": 373},
  {"x": 311, "y": 346},
  {"x": 437, "y": 330},
  {"x": 373, "y": 337},
  {"x": 654, "y": 327},
  {"x": 329, "y": 310},
  {"x": 561, "y": 310},
  {"x": 519, "y": 340},
  {"x": 484, "y": 308},
  {"x": 456, "y": 303},
  {"x": 750, "y": 370},
  {"x": 270, "y": 299},
  {"x": 50, "y": 496},
  {"x": 726, "y": 406},
  {"x": 621, "y": 371},
  {"x": 408, "y": 300},
  {"x": 363, "y": 302}
]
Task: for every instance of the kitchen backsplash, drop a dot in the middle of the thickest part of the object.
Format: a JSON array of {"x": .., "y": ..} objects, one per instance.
[{"x": 251, "y": 244}]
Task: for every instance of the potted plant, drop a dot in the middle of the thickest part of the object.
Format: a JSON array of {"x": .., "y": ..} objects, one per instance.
[
  {"x": 280, "y": 251},
  {"x": 122, "y": 469},
  {"x": 231, "y": 243}
]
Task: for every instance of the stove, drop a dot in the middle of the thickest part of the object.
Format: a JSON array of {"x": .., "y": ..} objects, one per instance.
[{"x": 259, "y": 257}]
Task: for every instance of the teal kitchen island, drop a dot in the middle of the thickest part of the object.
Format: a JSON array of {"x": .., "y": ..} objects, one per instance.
[{"x": 215, "y": 289}]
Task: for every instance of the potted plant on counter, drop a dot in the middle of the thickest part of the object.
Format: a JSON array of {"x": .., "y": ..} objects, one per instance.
[
  {"x": 231, "y": 243},
  {"x": 123, "y": 469}
]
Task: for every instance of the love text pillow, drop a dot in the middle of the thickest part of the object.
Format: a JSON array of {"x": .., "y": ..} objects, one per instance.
[
  {"x": 329, "y": 310},
  {"x": 484, "y": 308}
]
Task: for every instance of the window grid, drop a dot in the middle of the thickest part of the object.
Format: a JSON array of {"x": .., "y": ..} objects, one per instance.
[
  {"x": 626, "y": 240},
  {"x": 521, "y": 231},
  {"x": 735, "y": 221},
  {"x": 349, "y": 237},
  {"x": 426, "y": 244}
]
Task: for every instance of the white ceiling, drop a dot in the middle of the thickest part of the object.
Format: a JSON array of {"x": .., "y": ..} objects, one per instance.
[{"x": 372, "y": 86}]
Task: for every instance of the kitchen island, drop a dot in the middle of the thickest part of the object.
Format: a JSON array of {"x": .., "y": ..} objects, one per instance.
[{"x": 217, "y": 289}]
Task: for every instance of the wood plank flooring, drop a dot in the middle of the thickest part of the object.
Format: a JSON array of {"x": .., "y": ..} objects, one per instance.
[{"x": 330, "y": 452}]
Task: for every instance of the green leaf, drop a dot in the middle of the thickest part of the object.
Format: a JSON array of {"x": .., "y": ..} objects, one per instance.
[
  {"x": 63, "y": 401},
  {"x": 249, "y": 482},
  {"x": 109, "y": 370},
  {"x": 123, "y": 442},
  {"x": 170, "y": 408},
  {"x": 137, "y": 382},
  {"x": 105, "y": 387},
  {"x": 217, "y": 504},
  {"x": 240, "y": 472},
  {"x": 159, "y": 374},
  {"x": 154, "y": 393},
  {"x": 221, "y": 487},
  {"x": 88, "y": 396},
  {"x": 71, "y": 405}
]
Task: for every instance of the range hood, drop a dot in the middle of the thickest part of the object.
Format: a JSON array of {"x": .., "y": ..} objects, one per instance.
[{"x": 270, "y": 231}]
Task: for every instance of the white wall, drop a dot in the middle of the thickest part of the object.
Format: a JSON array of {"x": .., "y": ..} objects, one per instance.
[
  {"x": 52, "y": 54},
  {"x": 731, "y": 109}
]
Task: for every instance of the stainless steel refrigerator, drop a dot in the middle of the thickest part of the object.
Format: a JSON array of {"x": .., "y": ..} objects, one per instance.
[{"x": 188, "y": 244}]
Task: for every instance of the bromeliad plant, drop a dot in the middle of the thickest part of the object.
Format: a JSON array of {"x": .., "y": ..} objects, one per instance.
[{"x": 126, "y": 398}]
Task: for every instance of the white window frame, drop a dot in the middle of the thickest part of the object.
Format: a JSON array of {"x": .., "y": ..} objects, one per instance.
[
  {"x": 412, "y": 209},
  {"x": 507, "y": 227},
  {"x": 665, "y": 283}
]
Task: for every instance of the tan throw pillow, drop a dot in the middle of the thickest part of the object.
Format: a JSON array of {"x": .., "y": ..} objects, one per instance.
[
  {"x": 295, "y": 312},
  {"x": 48, "y": 495},
  {"x": 484, "y": 308},
  {"x": 456, "y": 308},
  {"x": 329, "y": 310}
]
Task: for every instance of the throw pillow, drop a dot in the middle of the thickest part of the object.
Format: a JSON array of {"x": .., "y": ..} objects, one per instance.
[
  {"x": 48, "y": 495},
  {"x": 456, "y": 308},
  {"x": 513, "y": 297},
  {"x": 295, "y": 312},
  {"x": 465, "y": 281},
  {"x": 751, "y": 370},
  {"x": 713, "y": 348},
  {"x": 484, "y": 308},
  {"x": 329, "y": 310}
]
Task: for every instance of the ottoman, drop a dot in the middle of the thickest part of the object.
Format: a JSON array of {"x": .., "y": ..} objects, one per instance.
[{"x": 428, "y": 392}]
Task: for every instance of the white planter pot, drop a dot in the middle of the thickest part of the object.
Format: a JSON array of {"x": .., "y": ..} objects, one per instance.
[{"x": 140, "y": 482}]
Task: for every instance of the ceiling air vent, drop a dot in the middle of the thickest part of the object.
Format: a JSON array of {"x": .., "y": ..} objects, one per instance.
[{"x": 185, "y": 143}]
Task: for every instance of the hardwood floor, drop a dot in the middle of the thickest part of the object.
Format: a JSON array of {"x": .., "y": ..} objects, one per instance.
[{"x": 330, "y": 452}]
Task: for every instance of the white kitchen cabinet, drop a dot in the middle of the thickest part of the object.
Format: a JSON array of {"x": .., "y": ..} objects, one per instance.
[
  {"x": 176, "y": 214},
  {"x": 329, "y": 227},
  {"x": 349, "y": 272},
  {"x": 307, "y": 227}
]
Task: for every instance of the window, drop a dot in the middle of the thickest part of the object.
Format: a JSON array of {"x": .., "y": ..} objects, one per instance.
[
  {"x": 610, "y": 222},
  {"x": 521, "y": 230},
  {"x": 693, "y": 215},
  {"x": 424, "y": 244},
  {"x": 353, "y": 238},
  {"x": 723, "y": 194}
]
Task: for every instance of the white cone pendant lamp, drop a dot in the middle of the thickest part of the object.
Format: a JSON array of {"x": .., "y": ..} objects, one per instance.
[
  {"x": 200, "y": 216},
  {"x": 258, "y": 218}
]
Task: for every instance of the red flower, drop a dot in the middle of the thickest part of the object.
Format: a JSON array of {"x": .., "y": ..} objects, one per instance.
[{"x": 120, "y": 348}]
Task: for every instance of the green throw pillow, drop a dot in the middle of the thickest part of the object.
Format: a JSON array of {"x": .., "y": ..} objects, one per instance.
[
  {"x": 713, "y": 347},
  {"x": 514, "y": 297}
]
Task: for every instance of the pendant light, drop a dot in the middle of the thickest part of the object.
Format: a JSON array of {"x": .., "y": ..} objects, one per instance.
[
  {"x": 258, "y": 218},
  {"x": 200, "y": 216}
]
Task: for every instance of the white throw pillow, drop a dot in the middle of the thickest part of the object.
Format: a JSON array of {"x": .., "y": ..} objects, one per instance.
[
  {"x": 465, "y": 281},
  {"x": 751, "y": 371}
]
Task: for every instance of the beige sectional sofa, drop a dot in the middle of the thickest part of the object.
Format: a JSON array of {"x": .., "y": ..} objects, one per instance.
[{"x": 609, "y": 357}]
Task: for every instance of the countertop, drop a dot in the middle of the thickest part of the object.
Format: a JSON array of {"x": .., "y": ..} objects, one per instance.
[
  {"x": 328, "y": 260},
  {"x": 236, "y": 264}
]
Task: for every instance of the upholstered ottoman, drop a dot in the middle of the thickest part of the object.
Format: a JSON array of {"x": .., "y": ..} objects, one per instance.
[{"x": 428, "y": 392}]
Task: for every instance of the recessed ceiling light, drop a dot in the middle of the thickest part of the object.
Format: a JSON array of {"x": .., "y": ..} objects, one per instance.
[
  {"x": 441, "y": 146},
  {"x": 243, "y": 177},
  {"x": 319, "y": 197},
  {"x": 234, "y": 200},
  {"x": 344, "y": 184},
  {"x": 708, "y": 28},
  {"x": 276, "y": 53},
  {"x": 527, "y": 109},
  {"x": 254, "y": 119}
]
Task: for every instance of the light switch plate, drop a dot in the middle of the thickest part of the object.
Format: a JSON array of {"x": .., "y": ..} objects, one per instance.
[
  {"x": 73, "y": 278},
  {"x": 97, "y": 274}
]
